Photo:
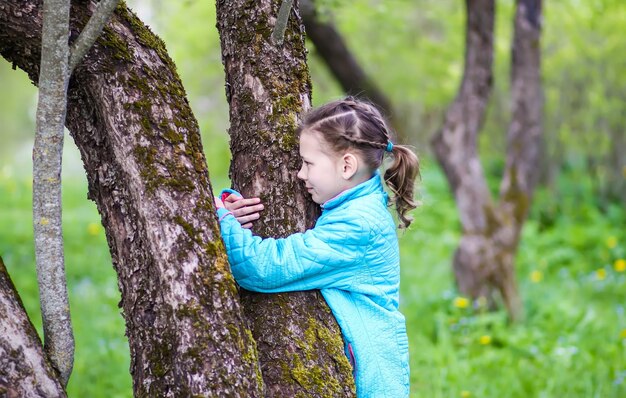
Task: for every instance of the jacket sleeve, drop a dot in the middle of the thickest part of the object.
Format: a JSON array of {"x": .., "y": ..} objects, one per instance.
[{"x": 327, "y": 256}]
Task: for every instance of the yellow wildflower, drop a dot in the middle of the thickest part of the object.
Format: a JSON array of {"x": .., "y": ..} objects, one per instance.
[
  {"x": 485, "y": 340},
  {"x": 620, "y": 265},
  {"x": 536, "y": 276},
  {"x": 601, "y": 274},
  {"x": 93, "y": 229},
  {"x": 622, "y": 334},
  {"x": 611, "y": 242},
  {"x": 461, "y": 302},
  {"x": 465, "y": 394}
]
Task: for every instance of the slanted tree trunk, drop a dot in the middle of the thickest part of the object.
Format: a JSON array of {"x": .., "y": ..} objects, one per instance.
[
  {"x": 268, "y": 87},
  {"x": 333, "y": 50},
  {"x": 484, "y": 260},
  {"x": 141, "y": 149},
  {"x": 24, "y": 367}
]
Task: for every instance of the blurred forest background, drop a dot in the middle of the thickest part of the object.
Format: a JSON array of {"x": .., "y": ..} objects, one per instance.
[{"x": 571, "y": 265}]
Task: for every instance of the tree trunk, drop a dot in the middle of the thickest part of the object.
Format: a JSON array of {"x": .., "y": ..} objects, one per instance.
[
  {"x": 141, "y": 149},
  {"x": 484, "y": 260},
  {"x": 455, "y": 146},
  {"x": 24, "y": 368},
  {"x": 268, "y": 87},
  {"x": 524, "y": 141}
]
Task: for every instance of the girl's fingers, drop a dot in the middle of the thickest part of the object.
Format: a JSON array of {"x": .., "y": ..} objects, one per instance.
[
  {"x": 246, "y": 219},
  {"x": 240, "y": 202},
  {"x": 248, "y": 210},
  {"x": 244, "y": 210},
  {"x": 234, "y": 199}
]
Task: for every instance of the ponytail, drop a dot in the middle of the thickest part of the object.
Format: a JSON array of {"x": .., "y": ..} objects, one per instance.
[{"x": 400, "y": 178}]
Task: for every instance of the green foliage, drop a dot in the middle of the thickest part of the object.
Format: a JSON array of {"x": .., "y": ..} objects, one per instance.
[
  {"x": 414, "y": 51},
  {"x": 572, "y": 343},
  {"x": 570, "y": 269},
  {"x": 102, "y": 358}
]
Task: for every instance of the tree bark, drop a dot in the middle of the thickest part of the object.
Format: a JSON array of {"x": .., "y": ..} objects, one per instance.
[
  {"x": 141, "y": 148},
  {"x": 268, "y": 87},
  {"x": 24, "y": 367},
  {"x": 484, "y": 261}
]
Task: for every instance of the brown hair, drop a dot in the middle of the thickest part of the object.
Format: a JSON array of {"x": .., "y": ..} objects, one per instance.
[{"x": 355, "y": 124}]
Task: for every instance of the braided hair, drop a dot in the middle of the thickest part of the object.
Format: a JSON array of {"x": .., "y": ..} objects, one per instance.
[{"x": 352, "y": 124}]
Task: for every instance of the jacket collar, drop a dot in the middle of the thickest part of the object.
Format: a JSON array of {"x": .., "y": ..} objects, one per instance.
[{"x": 372, "y": 185}]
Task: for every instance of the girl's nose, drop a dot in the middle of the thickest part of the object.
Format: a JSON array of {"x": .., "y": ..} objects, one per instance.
[{"x": 300, "y": 174}]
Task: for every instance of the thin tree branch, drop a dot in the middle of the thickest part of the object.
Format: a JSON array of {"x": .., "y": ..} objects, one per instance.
[
  {"x": 47, "y": 156},
  {"x": 278, "y": 34},
  {"x": 334, "y": 51},
  {"x": 91, "y": 32}
]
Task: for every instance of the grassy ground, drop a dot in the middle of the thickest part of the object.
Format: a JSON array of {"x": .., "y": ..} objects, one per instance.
[{"x": 570, "y": 271}]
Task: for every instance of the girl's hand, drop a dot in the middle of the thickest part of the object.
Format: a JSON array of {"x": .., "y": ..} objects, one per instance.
[{"x": 245, "y": 210}]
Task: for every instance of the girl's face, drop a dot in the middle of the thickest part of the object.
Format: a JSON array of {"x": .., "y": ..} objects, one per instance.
[{"x": 323, "y": 172}]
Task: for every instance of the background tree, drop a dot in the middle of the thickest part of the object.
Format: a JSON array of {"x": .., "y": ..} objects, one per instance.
[
  {"x": 268, "y": 88},
  {"x": 484, "y": 259},
  {"x": 332, "y": 48},
  {"x": 148, "y": 177}
]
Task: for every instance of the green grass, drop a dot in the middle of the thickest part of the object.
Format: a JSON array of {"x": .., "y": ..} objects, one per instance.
[
  {"x": 571, "y": 344},
  {"x": 102, "y": 356}
]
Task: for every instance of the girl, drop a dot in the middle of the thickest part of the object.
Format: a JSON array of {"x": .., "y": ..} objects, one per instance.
[{"x": 351, "y": 254}]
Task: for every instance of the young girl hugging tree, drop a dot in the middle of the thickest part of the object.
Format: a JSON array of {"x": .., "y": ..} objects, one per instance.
[{"x": 351, "y": 254}]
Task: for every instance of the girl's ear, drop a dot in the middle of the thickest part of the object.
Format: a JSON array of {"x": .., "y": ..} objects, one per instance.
[{"x": 349, "y": 166}]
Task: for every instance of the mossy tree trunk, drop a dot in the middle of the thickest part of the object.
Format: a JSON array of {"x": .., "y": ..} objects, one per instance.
[
  {"x": 268, "y": 88},
  {"x": 484, "y": 260},
  {"x": 25, "y": 370},
  {"x": 140, "y": 145}
]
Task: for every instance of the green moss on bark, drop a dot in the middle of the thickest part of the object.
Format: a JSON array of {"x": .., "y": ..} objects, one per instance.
[
  {"x": 119, "y": 48},
  {"x": 145, "y": 36}
]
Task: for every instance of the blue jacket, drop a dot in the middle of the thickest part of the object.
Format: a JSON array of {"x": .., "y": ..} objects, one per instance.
[{"x": 352, "y": 256}]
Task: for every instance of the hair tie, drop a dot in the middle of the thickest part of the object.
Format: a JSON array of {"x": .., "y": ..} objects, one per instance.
[{"x": 389, "y": 146}]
